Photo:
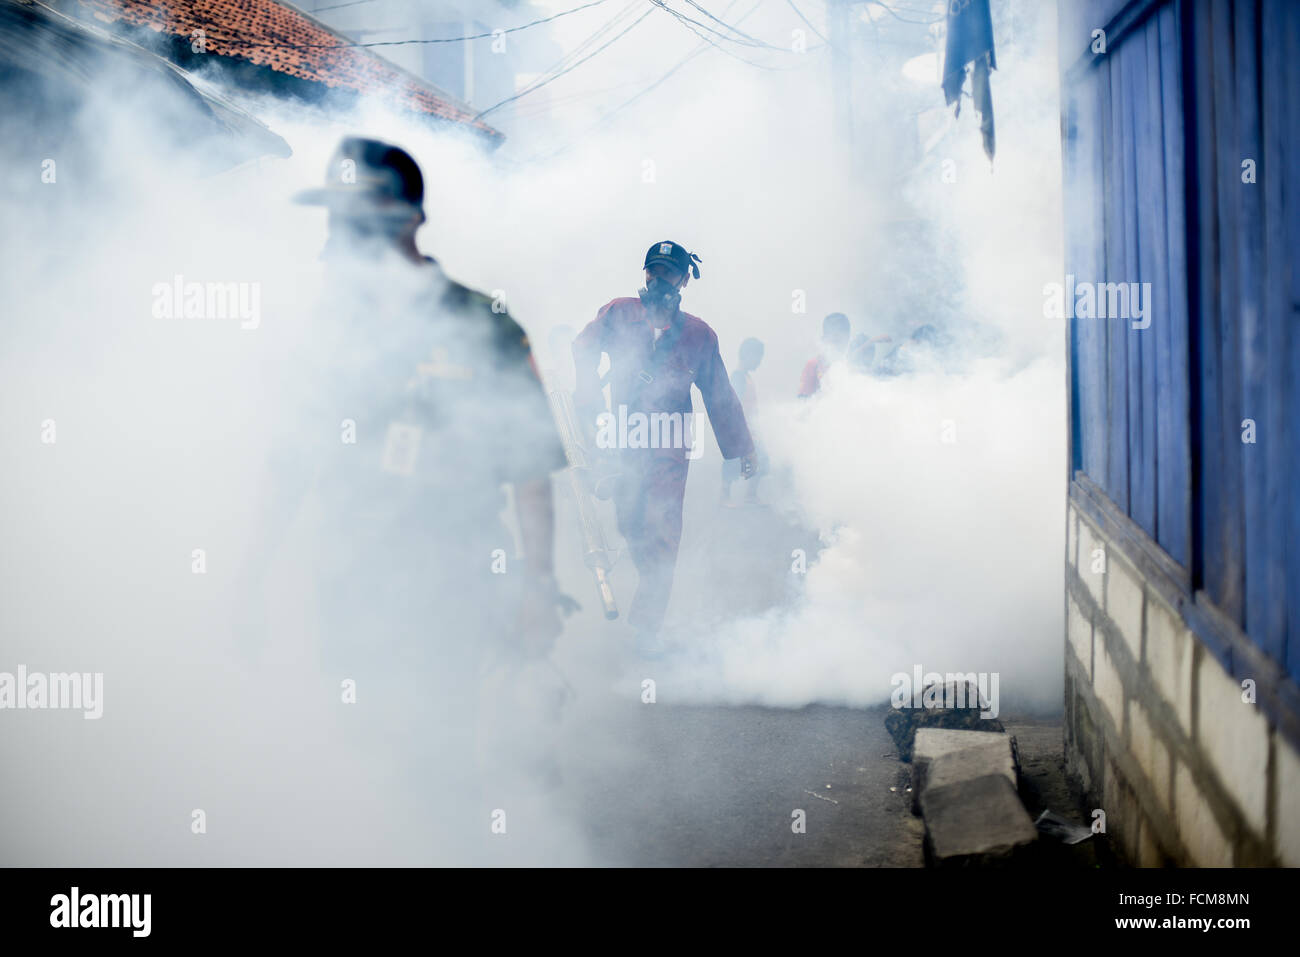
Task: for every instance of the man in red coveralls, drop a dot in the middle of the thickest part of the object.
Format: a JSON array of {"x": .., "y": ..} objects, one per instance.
[{"x": 656, "y": 352}]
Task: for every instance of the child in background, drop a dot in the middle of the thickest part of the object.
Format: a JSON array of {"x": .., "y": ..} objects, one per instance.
[{"x": 834, "y": 346}]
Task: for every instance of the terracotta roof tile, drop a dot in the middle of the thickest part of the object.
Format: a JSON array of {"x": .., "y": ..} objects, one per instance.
[{"x": 288, "y": 41}]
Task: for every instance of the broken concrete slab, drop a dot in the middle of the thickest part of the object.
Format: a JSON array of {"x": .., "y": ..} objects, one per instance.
[
  {"x": 976, "y": 822},
  {"x": 974, "y": 763},
  {"x": 958, "y": 756}
]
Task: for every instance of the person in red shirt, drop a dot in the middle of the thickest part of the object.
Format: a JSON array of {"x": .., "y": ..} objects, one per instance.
[
  {"x": 656, "y": 353},
  {"x": 835, "y": 342}
]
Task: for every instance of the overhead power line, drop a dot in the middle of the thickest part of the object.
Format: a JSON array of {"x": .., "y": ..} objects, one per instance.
[
  {"x": 560, "y": 66},
  {"x": 894, "y": 13},
  {"x": 753, "y": 41},
  {"x": 807, "y": 22},
  {"x": 695, "y": 27},
  {"x": 339, "y": 6},
  {"x": 537, "y": 86},
  {"x": 702, "y": 47},
  {"x": 398, "y": 43}
]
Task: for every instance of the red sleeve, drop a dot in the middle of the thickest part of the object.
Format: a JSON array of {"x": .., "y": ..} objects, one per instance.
[
  {"x": 811, "y": 379},
  {"x": 725, "y": 413}
]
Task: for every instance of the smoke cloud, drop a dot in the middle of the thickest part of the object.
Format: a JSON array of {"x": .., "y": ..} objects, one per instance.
[{"x": 929, "y": 505}]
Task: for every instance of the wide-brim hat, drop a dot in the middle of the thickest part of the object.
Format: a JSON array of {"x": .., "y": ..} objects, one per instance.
[{"x": 369, "y": 177}]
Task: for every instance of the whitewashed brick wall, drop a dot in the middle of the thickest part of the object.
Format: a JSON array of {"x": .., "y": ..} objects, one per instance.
[{"x": 1173, "y": 720}]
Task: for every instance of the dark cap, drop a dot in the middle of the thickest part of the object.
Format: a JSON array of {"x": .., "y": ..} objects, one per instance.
[
  {"x": 368, "y": 177},
  {"x": 674, "y": 255}
]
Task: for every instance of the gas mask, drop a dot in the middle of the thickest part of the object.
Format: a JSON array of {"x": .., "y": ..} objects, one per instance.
[{"x": 660, "y": 294}]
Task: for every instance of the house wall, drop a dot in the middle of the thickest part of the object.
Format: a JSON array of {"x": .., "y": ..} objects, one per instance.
[
  {"x": 1161, "y": 736},
  {"x": 1183, "y": 568}
]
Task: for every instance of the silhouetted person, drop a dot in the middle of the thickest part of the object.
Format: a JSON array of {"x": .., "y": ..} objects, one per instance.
[{"x": 834, "y": 344}]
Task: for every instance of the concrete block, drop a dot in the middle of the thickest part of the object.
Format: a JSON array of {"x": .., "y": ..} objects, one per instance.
[
  {"x": 1089, "y": 542},
  {"x": 1149, "y": 853},
  {"x": 1287, "y": 772},
  {"x": 1079, "y": 632},
  {"x": 1169, "y": 659},
  {"x": 1124, "y": 603},
  {"x": 1107, "y": 684},
  {"x": 1150, "y": 752},
  {"x": 976, "y": 822},
  {"x": 1234, "y": 735},
  {"x": 1197, "y": 826},
  {"x": 1083, "y": 747},
  {"x": 1072, "y": 536},
  {"x": 1121, "y": 813},
  {"x": 941, "y": 757}
]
